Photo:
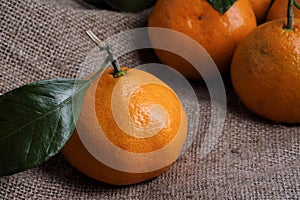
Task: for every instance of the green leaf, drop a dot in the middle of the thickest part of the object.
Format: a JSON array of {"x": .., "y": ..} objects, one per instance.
[
  {"x": 36, "y": 120},
  {"x": 124, "y": 5},
  {"x": 221, "y": 5}
]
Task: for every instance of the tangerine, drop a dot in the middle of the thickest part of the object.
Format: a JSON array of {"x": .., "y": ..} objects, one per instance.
[
  {"x": 134, "y": 131},
  {"x": 218, "y": 34},
  {"x": 260, "y": 8},
  {"x": 265, "y": 71},
  {"x": 278, "y": 10}
]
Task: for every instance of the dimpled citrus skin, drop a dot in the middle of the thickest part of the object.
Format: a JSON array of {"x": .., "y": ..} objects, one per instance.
[
  {"x": 260, "y": 8},
  {"x": 218, "y": 34},
  {"x": 265, "y": 71},
  {"x": 118, "y": 101}
]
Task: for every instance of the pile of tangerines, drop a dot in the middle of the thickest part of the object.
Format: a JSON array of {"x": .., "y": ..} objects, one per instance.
[
  {"x": 254, "y": 42},
  {"x": 133, "y": 126}
]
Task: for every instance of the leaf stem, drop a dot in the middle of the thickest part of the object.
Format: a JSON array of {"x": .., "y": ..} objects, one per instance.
[
  {"x": 117, "y": 69},
  {"x": 103, "y": 46}
]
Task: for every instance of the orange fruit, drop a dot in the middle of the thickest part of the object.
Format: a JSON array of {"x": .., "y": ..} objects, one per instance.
[
  {"x": 260, "y": 8},
  {"x": 218, "y": 34},
  {"x": 265, "y": 71},
  {"x": 133, "y": 133},
  {"x": 279, "y": 10}
]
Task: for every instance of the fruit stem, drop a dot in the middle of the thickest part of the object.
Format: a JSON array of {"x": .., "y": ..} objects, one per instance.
[
  {"x": 290, "y": 15},
  {"x": 103, "y": 46},
  {"x": 117, "y": 69}
]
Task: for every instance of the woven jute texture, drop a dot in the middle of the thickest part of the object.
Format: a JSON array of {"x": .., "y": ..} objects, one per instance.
[{"x": 254, "y": 158}]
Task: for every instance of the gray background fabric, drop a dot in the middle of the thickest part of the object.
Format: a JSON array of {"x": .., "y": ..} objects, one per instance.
[{"x": 254, "y": 159}]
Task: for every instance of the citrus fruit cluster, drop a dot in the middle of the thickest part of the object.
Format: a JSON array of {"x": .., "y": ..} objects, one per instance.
[
  {"x": 133, "y": 126},
  {"x": 261, "y": 54}
]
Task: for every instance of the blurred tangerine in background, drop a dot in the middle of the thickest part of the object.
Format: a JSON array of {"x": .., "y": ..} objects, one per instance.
[
  {"x": 218, "y": 33},
  {"x": 265, "y": 71},
  {"x": 260, "y": 8},
  {"x": 279, "y": 10}
]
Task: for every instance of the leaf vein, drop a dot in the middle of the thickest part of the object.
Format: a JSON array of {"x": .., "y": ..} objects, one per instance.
[
  {"x": 25, "y": 106},
  {"x": 60, "y": 105},
  {"x": 31, "y": 138},
  {"x": 53, "y": 133}
]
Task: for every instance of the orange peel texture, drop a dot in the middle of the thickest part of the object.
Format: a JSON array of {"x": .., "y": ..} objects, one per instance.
[
  {"x": 265, "y": 71},
  {"x": 143, "y": 125}
]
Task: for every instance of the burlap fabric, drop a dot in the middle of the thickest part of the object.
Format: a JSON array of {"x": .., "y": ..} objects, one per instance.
[{"x": 254, "y": 159}]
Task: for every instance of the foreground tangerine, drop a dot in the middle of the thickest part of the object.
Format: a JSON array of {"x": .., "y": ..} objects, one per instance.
[
  {"x": 265, "y": 71},
  {"x": 218, "y": 34},
  {"x": 134, "y": 133}
]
